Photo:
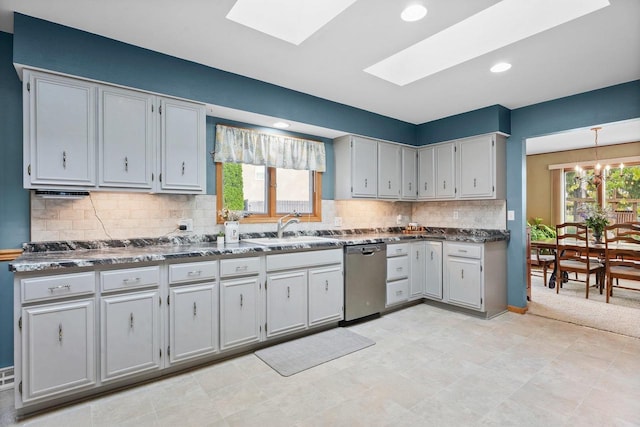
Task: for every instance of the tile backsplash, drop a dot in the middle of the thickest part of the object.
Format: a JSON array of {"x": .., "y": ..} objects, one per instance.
[{"x": 105, "y": 215}]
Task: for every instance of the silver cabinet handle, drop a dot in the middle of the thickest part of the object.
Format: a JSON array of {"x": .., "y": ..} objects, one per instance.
[
  {"x": 55, "y": 288},
  {"x": 126, "y": 164},
  {"x": 462, "y": 251},
  {"x": 131, "y": 320},
  {"x": 425, "y": 186},
  {"x": 399, "y": 269},
  {"x": 195, "y": 309},
  {"x": 389, "y": 185},
  {"x": 194, "y": 273},
  {"x": 474, "y": 183},
  {"x": 444, "y": 185},
  {"x": 182, "y": 168},
  {"x": 242, "y": 267},
  {"x": 60, "y": 332},
  {"x": 64, "y": 160},
  {"x": 365, "y": 183},
  {"x": 326, "y": 285},
  {"x": 131, "y": 280},
  {"x": 398, "y": 250},
  {"x": 241, "y": 300},
  {"x": 398, "y": 293},
  {"x": 431, "y": 255},
  {"x": 409, "y": 186},
  {"x": 288, "y": 292},
  {"x": 462, "y": 274},
  {"x": 417, "y": 255}
]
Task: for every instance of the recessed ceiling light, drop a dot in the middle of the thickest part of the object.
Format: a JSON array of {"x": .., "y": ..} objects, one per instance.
[
  {"x": 412, "y": 13},
  {"x": 500, "y": 67},
  {"x": 478, "y": 35},
  {"x": 281, "y": 125}
]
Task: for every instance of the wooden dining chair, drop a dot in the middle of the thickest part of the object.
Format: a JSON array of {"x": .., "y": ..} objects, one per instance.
[
  {"x": 622, "y": 254},
  {"x": 573, "y": 254},
  {"x": 544, "y": 261}
]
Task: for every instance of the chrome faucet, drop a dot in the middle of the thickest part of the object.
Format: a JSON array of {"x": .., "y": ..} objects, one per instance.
[{"x": 282, "y": 226}]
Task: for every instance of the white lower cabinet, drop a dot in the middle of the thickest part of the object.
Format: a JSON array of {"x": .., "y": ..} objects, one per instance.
[
  {"x": 193, "y": 327},
  {"x": 239, "y": 312},
  {"x": 433, "y": 270},
  {"x": 286, "y": 302},
  {"x": 326, "y": 295},
  {"x": 398, "y": 270},
  {"x": 130, "y": 334},
  {"x": 58, "y": 349},
  {"x": 465, "y": 282},
  {"x": 417, "y": 272}
]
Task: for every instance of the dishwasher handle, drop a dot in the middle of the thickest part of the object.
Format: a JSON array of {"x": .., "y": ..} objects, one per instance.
[{"x": 365, "y": 250}]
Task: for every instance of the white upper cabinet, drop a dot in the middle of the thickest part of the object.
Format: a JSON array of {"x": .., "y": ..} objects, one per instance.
[
  {"x": 409, "y": 173},
  {"x": 82, "y": 135},
  {"x": 426, "y": 173},
  {"x": 125, "y": 138},
  {"x": 59, "y": 131},
  {"x": 356, "y": 167},
  {"x": 183, "y": 146},
  {"x": 482, "y": 167},
  {"x": 445, "y": 157},
  {"x": 389, "y": 170}
]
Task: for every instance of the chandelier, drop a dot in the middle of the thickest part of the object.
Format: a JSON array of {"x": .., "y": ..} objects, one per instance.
[{"x": 599, "y": 173}]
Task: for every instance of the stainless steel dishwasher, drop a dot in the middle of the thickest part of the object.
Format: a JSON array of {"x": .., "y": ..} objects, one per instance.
[{"x": 365, "y": 276}]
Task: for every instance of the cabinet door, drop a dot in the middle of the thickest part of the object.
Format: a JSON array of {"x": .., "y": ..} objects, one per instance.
[
  {"x": 364, "y": 167},
  {"x": 286, "y": 302},
  {"x": 125, "y": 138},
  {"x": 433, "y": 276},
  {"x": 326, "y": 295},
  {"x": 477, "y": 167},
  {"x": 58, "y": 349},
  {"x": 60, "y": 131},
  {"x": 389, "y": 174},
  {"x": 239, "y": 311},
  {"x": 445, "y": 171},
  {"x": 193, "y": 329},
  {"x": 130, "y": 327},
  {"x": 183, "y": 152},
  {"x": 418, "y": 266},
  {"x": 409, "y": 175},
  {"x": 426, "y": 173},
  {"x": 464, "y": 282}
]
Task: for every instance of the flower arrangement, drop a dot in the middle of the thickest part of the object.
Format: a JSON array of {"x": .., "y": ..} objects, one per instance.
[
  {"x": 229, "y": 215},
  {"x": 595, "y": 217}
]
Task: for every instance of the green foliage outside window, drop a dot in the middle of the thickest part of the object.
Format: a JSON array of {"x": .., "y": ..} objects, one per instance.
[{"x": 232, "y": 186}]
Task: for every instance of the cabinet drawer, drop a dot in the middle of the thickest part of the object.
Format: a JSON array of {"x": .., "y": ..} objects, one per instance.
[
  {"x": 193, "y": 271},
  {"x": 130, "y": 278},
  {"x": 398, "y": 249},
  {"x": 239, "y": 266},
  {"x": 397, "y": 291},
  {"x": 397, "y": 267},
  {"x": 464, "y": 250},
  {"x": 64, "y": 285}
]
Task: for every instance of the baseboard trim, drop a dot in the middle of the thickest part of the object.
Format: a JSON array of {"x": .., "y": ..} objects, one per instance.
[{"x": 519, "y": 310}]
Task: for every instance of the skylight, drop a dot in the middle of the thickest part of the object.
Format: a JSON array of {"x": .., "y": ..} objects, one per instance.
[
  {"x": 500, "y": 25},
  {"x": 289, "y": 20}
]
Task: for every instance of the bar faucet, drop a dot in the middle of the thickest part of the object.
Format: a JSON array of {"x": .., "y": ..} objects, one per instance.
[{"x": 282, "y": 226}]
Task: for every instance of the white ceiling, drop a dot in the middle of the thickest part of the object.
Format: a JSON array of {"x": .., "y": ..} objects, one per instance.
[{"x": 591, "y": 52}]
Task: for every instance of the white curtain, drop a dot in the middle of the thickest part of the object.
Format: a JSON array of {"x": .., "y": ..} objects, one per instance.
[{"x": 237, "y": 145}]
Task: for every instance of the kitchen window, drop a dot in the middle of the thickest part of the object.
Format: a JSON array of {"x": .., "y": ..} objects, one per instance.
[{"x": 267, "y": 193}]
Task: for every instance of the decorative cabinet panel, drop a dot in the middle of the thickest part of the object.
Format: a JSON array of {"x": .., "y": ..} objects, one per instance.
[
  {"x": 126, "y": 138},
  {"x": 58, "y": 349},
  {"x": 409, "y": 173},
  {"x": 193, "y": 327},
  {"x": 445, "y": 157},
  {"x": 433, "y": 270},
  {"x": 426, "y": 173},
  {"x": 130, "y": 330},
  {"x": 389, "y": 170},
  {"x": 183, "y": 146},
  {"x": 326, "y": 295},
  {"x": 59, "y": 131},
  {"x": 239, "y": 312},
  {"x": 286, "y": 302}
]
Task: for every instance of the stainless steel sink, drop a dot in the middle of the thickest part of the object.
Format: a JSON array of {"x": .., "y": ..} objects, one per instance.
[{"x": 293, "y": 240}]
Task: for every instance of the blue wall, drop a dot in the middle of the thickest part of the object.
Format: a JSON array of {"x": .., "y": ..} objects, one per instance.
[
  {"x": 14, "y": 200},
  {"x": 51, "y": 46},
  {"x": 477, "y": 122}
]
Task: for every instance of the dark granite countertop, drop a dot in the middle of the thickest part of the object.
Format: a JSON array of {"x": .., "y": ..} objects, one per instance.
[{"x": 40, "y": 256}]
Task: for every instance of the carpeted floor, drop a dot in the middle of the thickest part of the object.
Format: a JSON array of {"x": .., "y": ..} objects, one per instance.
[{"x": 621, "y": 315}]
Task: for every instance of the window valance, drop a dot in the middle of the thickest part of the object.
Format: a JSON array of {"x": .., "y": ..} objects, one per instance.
[{"x": 238, "y": 145}]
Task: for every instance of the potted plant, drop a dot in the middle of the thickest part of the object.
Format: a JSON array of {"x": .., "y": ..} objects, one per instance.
[
  {"x": 220, "y": 238},
  {"x": 596, "y": 218}
]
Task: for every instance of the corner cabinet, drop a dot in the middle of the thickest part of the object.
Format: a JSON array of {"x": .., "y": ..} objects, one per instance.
[
  {"x": 83, "y": 135},
  {"x": 482, "y": 167}
]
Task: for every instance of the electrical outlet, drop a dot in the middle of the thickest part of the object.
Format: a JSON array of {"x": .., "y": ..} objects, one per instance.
[
  {"x": 455, "y": 214},
  {"x": 185, "y": 224},
  {"x": 337, "y": 221}
]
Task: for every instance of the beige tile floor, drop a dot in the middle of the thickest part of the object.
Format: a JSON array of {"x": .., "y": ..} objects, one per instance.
[{"x": 429, "y": 367}]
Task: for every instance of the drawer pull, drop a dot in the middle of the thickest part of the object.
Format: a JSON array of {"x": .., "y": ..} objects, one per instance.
[
  {"x": 462, "y": 274},
  {"x": 128, "y": 281},
  {"x": 131, "y": 320},
  {"x": 462, "y": 251},
  {"x": 398, "y": 250},
  {"x": 326, "y": 285},
  {"x": 55, "y": 288},
  {"x": 399, "y": 269},
  {"x": 288, "y": 292},
  {"x": 241, "y": 300},
  {"x": 242, "y": 268},
  {"x": 194, "y": 273},
  {"x": 195, "y": 309},
  {"x": 60, "y": 332},
  {"x": 398, "y": 293}
]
